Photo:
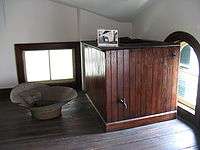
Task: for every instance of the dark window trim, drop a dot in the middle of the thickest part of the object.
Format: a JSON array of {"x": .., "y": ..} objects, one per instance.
[
  {"x": 178, "y": 37},
  {"x": 20, "y": 48}
]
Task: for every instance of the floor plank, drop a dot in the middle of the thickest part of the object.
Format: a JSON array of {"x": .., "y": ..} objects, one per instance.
[{"x": 79, "y": 128}]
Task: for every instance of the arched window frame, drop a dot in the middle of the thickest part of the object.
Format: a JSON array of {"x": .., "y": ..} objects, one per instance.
[{"x": 178, "y": 37}]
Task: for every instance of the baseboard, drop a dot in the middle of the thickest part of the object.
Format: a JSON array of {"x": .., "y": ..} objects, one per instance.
[
  {"x": 135, "y": 122},
  {"x": 130, "y": 123},
  {"x": 5, "y": 93}
]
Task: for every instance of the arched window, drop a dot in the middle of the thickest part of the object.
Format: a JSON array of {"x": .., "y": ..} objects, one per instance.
[
  {"x": 188, "y": 76},
  {"x": 188, "y": 83}
]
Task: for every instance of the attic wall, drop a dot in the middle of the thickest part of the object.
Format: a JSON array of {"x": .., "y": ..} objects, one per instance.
[
  {"x": 89, "y": 22},
  {"x": 167, "y": 16},
  {"x": 33, "y": 21}
]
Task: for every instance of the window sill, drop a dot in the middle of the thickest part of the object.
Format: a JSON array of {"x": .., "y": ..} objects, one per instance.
[
  {"x": 186, "y": 108},
  {"x": 57, "y": 81}
]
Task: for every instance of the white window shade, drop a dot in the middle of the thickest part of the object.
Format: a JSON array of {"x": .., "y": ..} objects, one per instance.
[
  {"x": 61, "y": 64},
  {"x": 37, "y": 65}
]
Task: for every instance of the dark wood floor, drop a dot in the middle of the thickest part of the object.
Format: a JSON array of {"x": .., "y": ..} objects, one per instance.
[{"x": 78, "y": 128}]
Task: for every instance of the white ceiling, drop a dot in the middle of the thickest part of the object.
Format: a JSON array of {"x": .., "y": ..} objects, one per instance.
[{"x": 120, "y": 10}]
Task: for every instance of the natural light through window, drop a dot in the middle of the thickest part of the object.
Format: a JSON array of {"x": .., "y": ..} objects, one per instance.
[
  {"x": 188, "y": 76},
  {"x": 61, "y": 64},
  {"x": 47, "y": 65},
  {"x": 37, "y": 65}
]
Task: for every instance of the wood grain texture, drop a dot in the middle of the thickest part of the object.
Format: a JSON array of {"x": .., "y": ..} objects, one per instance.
[
  {"x": 78, "y": 118},
  {"x": 133, "y": 94},
  {"x": 175, "y": 78},
  {"x": 126, "y": 82},
  {"x": 120, "y": 82},
  {"x": 95, "y": 82},
  {"x": 78, "y": 129},
  {"x": 114, "y": 98},
  {"x": 108, "y": 86},
  {"x": 146, "y": 78}
]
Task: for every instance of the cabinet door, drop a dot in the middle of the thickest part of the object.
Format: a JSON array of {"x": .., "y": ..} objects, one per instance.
[{"x": 141, "y": 82}]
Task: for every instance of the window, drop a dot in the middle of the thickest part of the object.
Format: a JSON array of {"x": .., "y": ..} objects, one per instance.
[
  {"x": 48, "y": 65},
  {"x": 186, "y": 104},
  {"x": 188, "y": 76},
  {"x": 51, "y": 63},
  {"x": 185, "y": 54}
]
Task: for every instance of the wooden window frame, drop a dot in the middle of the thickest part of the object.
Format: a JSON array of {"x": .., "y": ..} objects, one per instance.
[
  {"x": 181, "y": 100},
  {"x": 185, "y": 102},
  {"x": 178, "y": 37},
  {"x": 75, "y": 46}
]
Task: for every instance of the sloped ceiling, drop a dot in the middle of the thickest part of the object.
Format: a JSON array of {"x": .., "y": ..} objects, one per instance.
[{"x": 120, "y": 10}]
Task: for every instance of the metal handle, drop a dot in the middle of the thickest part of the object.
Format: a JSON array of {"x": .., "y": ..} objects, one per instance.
[
  {"x": 173, "y": 54},
  {"x": 123, "y": 101}
]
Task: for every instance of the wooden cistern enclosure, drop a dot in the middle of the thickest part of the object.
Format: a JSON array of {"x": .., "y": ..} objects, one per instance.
[{"x": 133, "y": 84}]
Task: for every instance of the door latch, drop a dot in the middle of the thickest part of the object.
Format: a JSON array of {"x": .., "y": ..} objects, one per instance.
[{"x": 123, "y": 102}]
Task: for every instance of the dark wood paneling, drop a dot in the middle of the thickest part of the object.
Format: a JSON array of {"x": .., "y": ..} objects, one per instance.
[
  {"x": 108, "y": 86},
  {"x": 113, "y": 79},
  {"x": 175, "y": 65},
  {"x": 138, "y": 84},
  {"x": 120, "y": 82},
  {"x": 19, "y": 48},
  {"x": 126, "y": 82},
  {"x": 149, "y": 63},
  {"x": 133, "y": 94},
  {"x": 146, "y": 78},
  {"x": 95, "y": 78}
]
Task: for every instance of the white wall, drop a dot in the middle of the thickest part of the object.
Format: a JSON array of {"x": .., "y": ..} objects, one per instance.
[
  {"x": 89, "y": 23},
  {"x": 33, "y": 21},
  {"x": 2, "y": 15},
  {"x": 167, "y": 16}
]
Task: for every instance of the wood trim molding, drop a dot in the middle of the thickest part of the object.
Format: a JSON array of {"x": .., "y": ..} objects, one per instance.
[
  {"x": 130, "y": 123},
  {"x": 124, "y": 124},
  {"x": 19, "y": 48},
  {"x": 178, "y": 37}
]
